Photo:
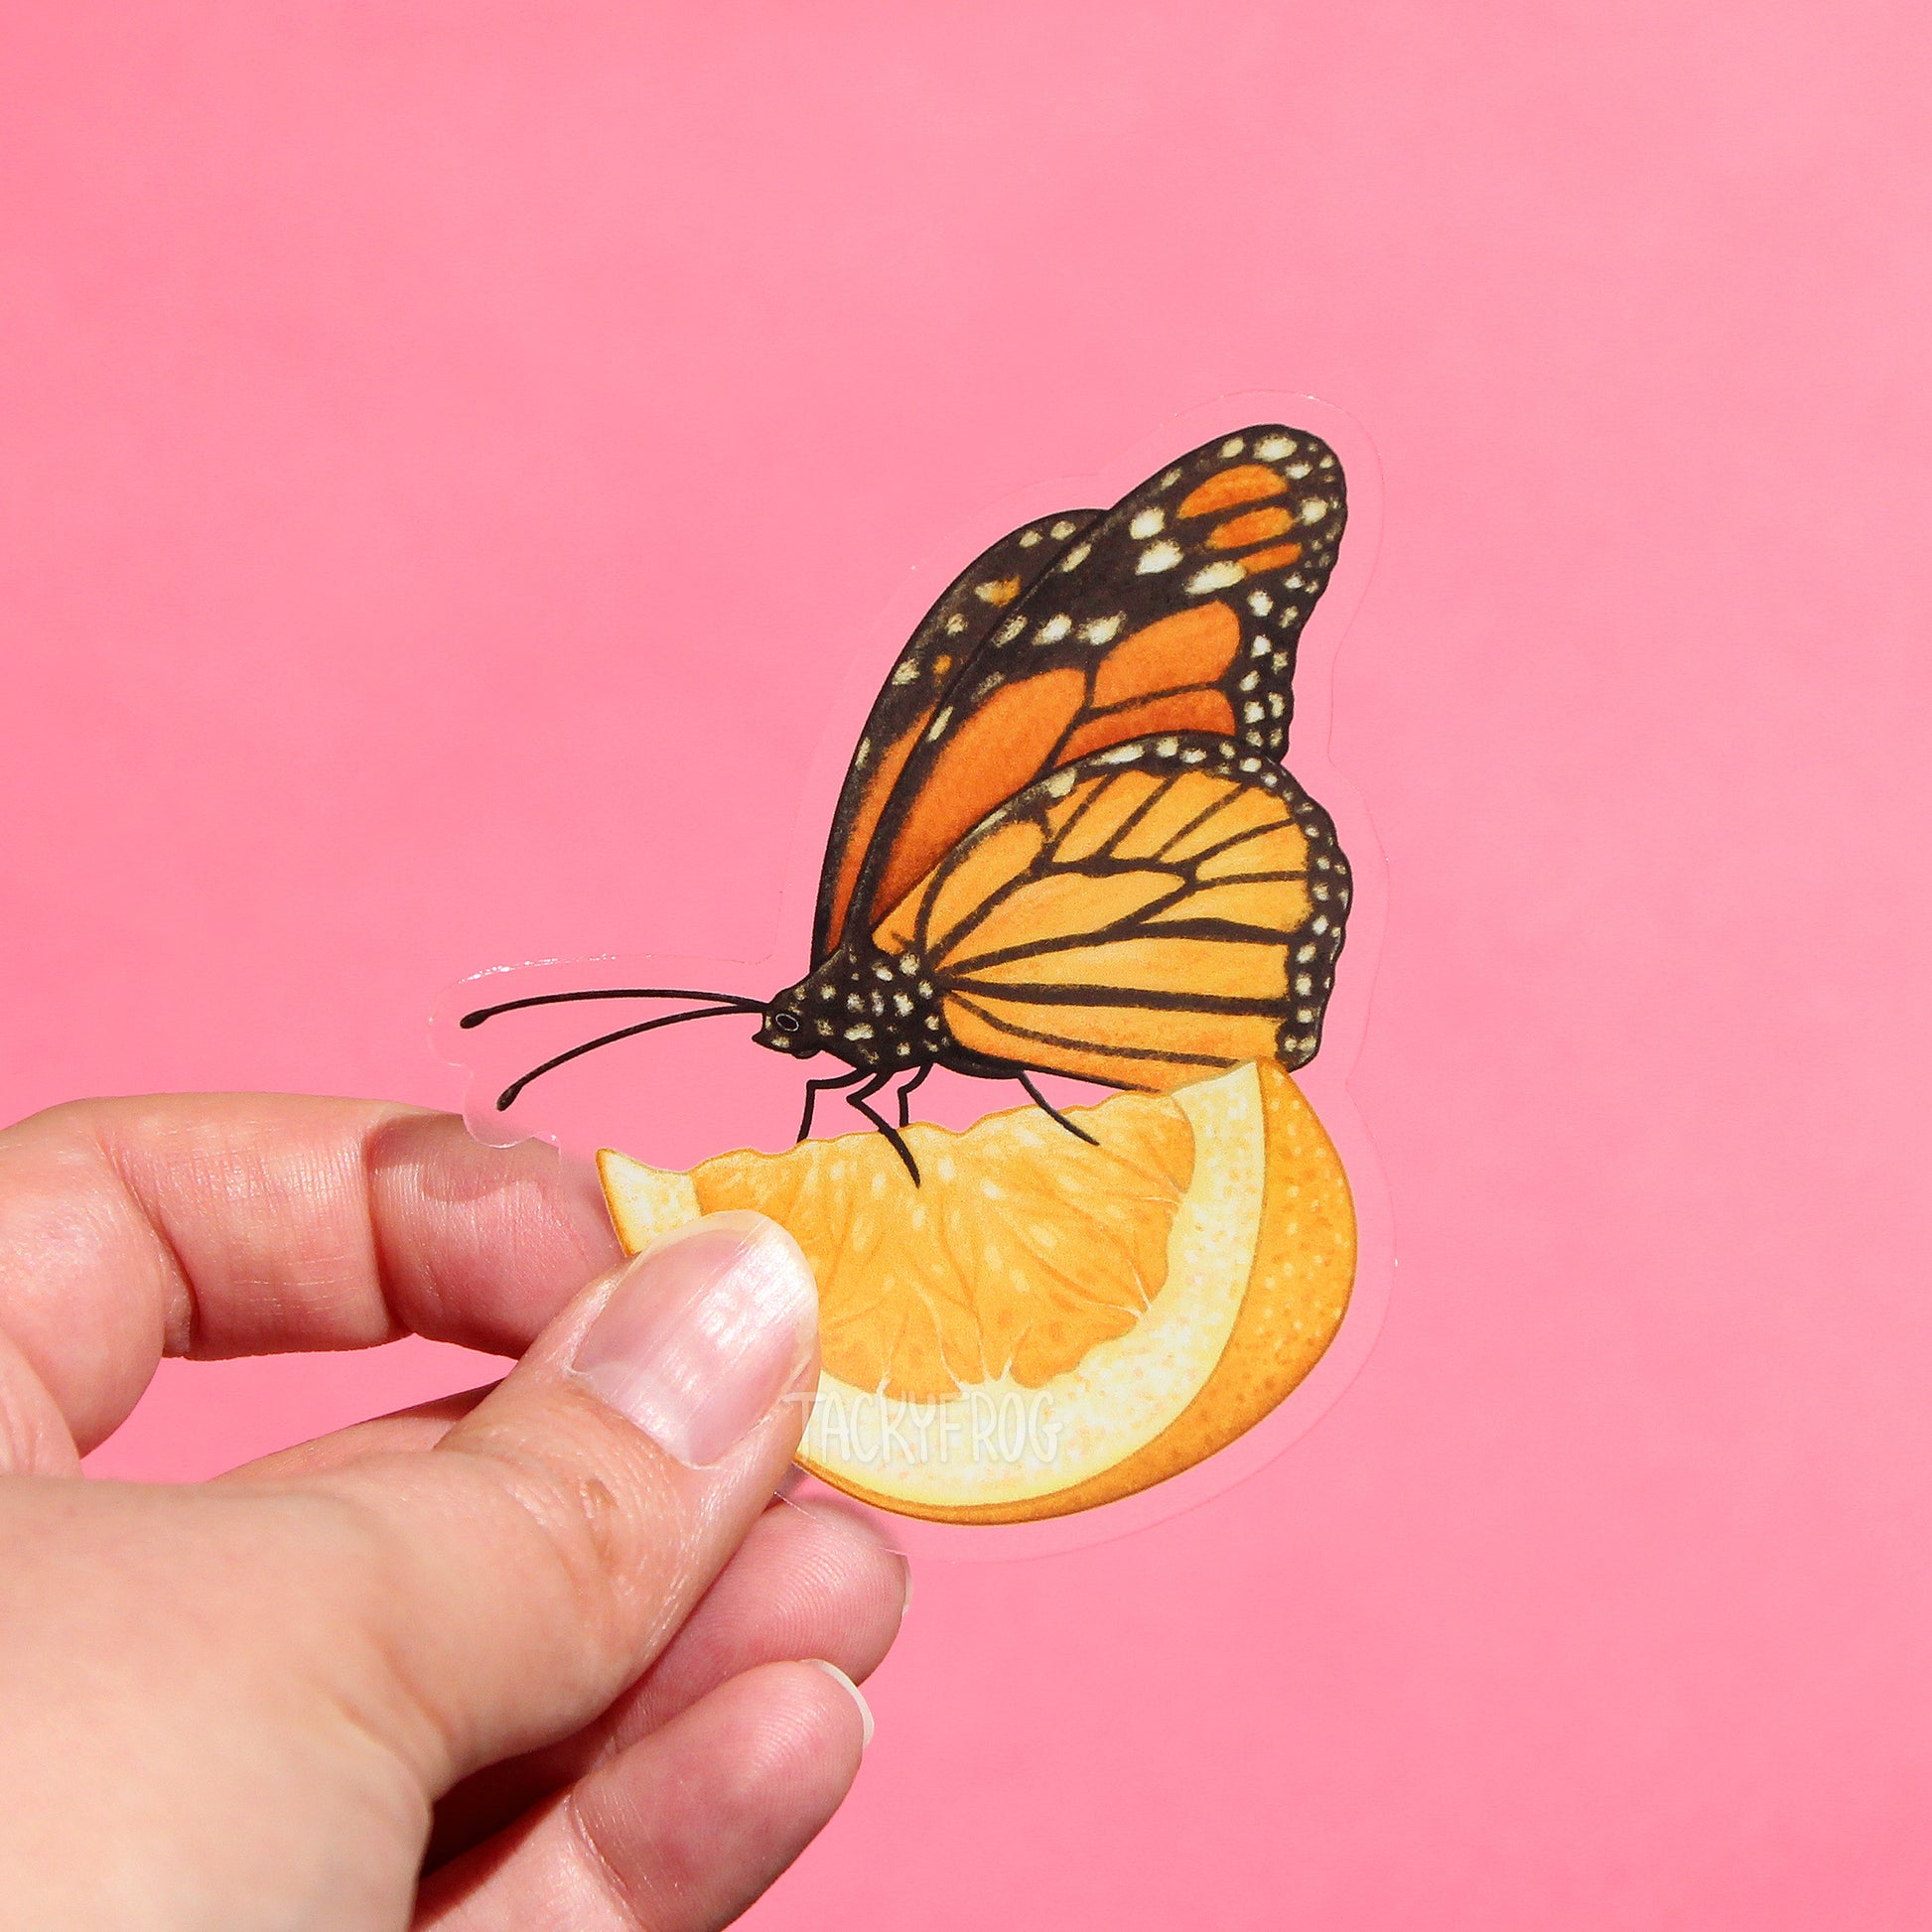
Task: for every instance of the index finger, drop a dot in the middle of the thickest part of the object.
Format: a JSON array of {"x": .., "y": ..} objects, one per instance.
[{"x": 214, "y": 1225}]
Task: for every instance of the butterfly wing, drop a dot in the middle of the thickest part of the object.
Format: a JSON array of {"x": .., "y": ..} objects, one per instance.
[
  {"x": 1142, "y": 916},
  {"x": 967, "y": 613},
  {"x": 1178, "y": 610}
]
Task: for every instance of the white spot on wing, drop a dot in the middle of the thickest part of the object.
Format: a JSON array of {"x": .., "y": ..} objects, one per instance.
[
  {"x": 955, "y": 624},
  {"x": 1027, "y": 538},
  {"x": 1260, "y": 603},
  {"x": 1119, "y": 754},
  {"x": 1314, "y": 511},
  {"x": 1009, "y": 630},
  {"x": 941, "y": 722},
  {"x": 1063, "y": 529},
  {"x": 1150, "y": 523},
  {"x": 1100, "y": 630},
  {"x": 907, "y": 672},
  {"x": 1060, "y": 783},
  {"x": 1271, "y": 449},
  {"x": 1216, "y": 577},
  {"x": 1233, "y": 445},
  {"x": 1053, "y": 631},
  {"x": 1075, "y": 557},
  {"x": 1158, "y": 557}
]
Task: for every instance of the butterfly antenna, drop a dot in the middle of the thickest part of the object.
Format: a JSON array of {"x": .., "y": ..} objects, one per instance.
[
  {"x": 508, "y": 1098},
  {"x": 734, "y": 1001}
]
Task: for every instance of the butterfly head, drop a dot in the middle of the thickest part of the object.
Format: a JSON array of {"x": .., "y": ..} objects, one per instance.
[
  {"x": 869, "y": 1007},
  {"x": 784, "y": 1028}
]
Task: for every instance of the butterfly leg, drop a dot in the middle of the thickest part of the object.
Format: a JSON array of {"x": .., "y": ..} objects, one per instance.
[
  {"x": 862, "y": 1100},
  {"x": 1051, "y": 1112},
  {"x": 905, "y": 1092},
  {"x": 813, "y": 1088}
]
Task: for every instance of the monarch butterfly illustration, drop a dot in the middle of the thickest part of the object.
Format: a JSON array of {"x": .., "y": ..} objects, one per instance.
[{"x": 1065, "y": 843}]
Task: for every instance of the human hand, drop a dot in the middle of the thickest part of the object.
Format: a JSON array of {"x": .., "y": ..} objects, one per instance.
[{"x": 535, "y": 1643}]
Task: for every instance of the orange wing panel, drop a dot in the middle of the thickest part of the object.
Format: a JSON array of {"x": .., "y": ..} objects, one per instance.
[
  {"x": 891, "y": 761},
  {"x": 1063, "y": 902},
  {"x": 1104, "y": 805},
  {"x": 1246, "y": 482},
  {"x": 1133, "y": 1048},
  {"x": 1243, "y": 811},
  {"x": 1273, "y": 905},
  {"x": 1255, "y": 527},
  {"x": 992, "y": 863},
  {"x": 1190, "y": 647},
  {"x": 1234, "y": 969},
  {"x": 993, "y": 753},
  {"x": 1283, "y": 848},
  {"x": 1185, "y": 710}
]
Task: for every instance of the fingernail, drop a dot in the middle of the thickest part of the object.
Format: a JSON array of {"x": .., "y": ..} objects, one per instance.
[
  {"x": 865, "y": 1710},
  {"x": 709, "y": 1326}
]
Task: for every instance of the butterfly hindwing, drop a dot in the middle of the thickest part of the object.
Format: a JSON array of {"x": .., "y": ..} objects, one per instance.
[
  {"x": 1142, "y": 917},
  {"x": 1178, "y": 609},
  {"x": 966, "y": 613}
]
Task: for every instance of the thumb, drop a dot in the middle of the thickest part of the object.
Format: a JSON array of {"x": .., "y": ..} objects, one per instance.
[{"x": 531, "y": 1566}]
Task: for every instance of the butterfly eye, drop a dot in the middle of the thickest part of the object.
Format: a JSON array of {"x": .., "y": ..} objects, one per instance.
[{"x": 785, "y": 1022}]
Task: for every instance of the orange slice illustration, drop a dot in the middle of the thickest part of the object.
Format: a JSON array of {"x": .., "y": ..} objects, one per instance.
[{"x": 1045, "y": 1325}]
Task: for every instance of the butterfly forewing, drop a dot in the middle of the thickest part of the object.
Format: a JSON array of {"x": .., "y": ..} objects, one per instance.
[
  {"x": 1142, "y": 917},
  {"x": 930, "y": 667},
  {"x": 1178, "y": 611}
]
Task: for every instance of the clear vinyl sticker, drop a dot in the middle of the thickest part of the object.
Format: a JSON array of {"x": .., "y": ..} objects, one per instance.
[{"x": 1047, "y": 1069}]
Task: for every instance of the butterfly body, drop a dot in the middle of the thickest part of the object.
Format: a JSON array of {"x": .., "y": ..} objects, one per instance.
[{"x": 1065, "y": 841}]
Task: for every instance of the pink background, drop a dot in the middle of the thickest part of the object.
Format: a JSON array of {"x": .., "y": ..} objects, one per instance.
[{"x": 453, "y": 451}]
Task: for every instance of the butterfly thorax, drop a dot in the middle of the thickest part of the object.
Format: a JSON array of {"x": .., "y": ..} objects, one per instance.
[{"x": 867, "y": 1006}]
